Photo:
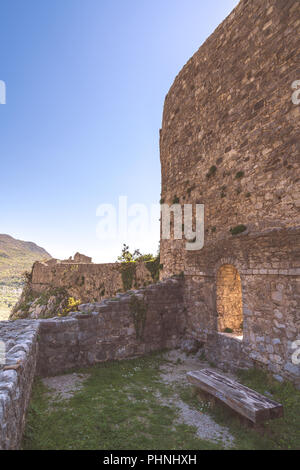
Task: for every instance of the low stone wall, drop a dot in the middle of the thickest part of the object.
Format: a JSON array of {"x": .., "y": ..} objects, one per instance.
[
  {"x": 109, "y": 330},
  {"x": 16, "y": 377},
  {"x": 227, "y": 352},
  {"x": 106, "y": 331}
]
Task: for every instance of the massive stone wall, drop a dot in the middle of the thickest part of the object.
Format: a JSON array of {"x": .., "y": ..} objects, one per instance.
[
  {"x": 109, "y": 330},
  {"x": 230, "y": 140},
  {"x": 230, "y": 136},
  {"x": 87, "y": 282}
]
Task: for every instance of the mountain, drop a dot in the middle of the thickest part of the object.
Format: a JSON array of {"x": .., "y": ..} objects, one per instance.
[{"x": 16, "y": 257}]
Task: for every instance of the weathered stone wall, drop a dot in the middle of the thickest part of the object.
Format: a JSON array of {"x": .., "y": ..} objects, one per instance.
[
  {"x": 86, "y": 282},
  {"x": 99, "y": 332},
  {"x": 230, "y": 139},
  {"x": 230, "y": 108},
  {"x": 227, "y": 352},
  {"x": 268, "y": 265},
  {"x": 16, "y": 377},
  {"x": 106, "y": 331}
]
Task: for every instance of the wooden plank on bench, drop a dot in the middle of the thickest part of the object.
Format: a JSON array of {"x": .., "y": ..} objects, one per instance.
[{"x": 248, "y": 403}]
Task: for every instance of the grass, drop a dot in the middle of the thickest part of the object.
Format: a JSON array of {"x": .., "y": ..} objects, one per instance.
[{"x": 119, "y": 408}]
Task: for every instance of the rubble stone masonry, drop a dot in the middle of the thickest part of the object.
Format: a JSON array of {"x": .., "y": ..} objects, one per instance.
[
  {"x": 230, "y": 140},
  {"x": 85, "y": 281}
]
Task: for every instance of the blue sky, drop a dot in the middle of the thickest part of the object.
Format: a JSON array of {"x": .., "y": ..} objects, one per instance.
[{"x": 86, "y": 82}]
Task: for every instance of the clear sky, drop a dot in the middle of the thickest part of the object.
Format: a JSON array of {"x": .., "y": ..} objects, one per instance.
[{"x": 86, "y": 82}]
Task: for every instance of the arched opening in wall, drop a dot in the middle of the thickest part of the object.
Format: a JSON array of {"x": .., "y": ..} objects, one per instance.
[{"x": 229, "y": 301}]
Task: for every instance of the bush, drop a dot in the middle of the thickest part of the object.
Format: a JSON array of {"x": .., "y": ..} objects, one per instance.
[
  {"x": 71, "y": 306},
  {"x": 228, "y": 330},
  {"x": 128, "y": 262},
  {"x": 212, "y": 171},
  {"x": 238, "y": 229}
]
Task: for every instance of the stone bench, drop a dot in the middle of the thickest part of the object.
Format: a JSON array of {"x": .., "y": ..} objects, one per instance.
[{"x": 246, "y": 402}]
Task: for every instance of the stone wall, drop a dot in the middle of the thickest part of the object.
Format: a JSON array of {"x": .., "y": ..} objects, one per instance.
[
  {"x": 227, "y": 352},
  {"x": 268, "y": 265},
  {"x": 16, "y": 377},
  {"x": 105, "y": 331},
  {"x": 230, "y": 140},
  {"x": 99, "y": 332},
  {"x": 84, "y": 281},
  {"x": 230, "y": 135}
]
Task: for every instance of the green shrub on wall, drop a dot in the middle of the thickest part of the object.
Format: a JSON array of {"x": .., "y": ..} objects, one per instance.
[
  {"x": 128, "y": 272},
  {"x": 238, "y": 229},
  {"x": 128, "y": 262},
  {"x": 212, "y": 171},
  {"x": 154, "y": 267},
  {"x": 138, "y": 310}
]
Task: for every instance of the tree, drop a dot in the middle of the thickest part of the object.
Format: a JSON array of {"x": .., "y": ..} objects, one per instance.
[{"x": 128, "y": 257}]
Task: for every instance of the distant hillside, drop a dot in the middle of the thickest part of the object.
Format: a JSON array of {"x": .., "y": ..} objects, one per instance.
[{"x": 16, "y": 257}]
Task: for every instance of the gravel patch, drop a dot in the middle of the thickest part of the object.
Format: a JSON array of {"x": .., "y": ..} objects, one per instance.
[
  {"x": 175, "y": 373},
  {"x": 63, "y": 387}
]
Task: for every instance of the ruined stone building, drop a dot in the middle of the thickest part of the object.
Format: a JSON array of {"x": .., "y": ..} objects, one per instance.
[{"x": 230, "y": 140}]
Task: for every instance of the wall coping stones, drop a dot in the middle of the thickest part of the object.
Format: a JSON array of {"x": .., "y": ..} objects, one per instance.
[{"x": 16, "y": 378}]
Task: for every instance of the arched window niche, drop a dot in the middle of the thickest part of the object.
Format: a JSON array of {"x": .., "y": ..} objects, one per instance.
[{"x": 229, "y": 301}]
